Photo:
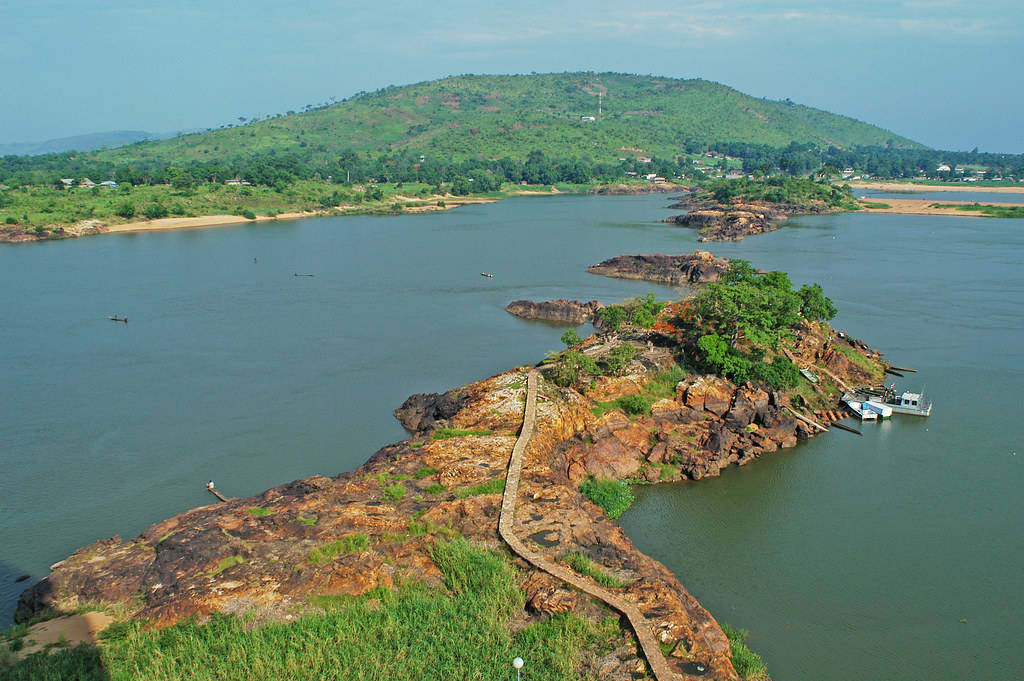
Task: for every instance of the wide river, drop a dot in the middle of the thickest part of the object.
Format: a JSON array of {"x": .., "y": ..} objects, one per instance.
[{"x": 896, "y": 555}]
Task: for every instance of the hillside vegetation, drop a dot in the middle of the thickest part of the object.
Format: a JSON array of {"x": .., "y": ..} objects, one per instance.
[{"x": 507, "y": 116}]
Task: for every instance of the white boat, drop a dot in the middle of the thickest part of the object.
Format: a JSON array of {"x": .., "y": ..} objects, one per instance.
[
  {"x": 860, "y": 408},
  {"x": 910, "y": 403},
  {"x": 906, "y": 402},
  {"x": 877, "y": 406}
]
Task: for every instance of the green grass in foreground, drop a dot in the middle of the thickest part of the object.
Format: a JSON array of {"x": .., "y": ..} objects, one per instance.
[
  {"x": 987, "y": 209},
  {"x": 748, "y": 664},
  {"x": 417, "y": 633}
]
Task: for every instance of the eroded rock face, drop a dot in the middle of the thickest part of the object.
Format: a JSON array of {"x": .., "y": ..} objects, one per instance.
[
  {"x": 568, "y": 311},
  {"x": 676, "y": 270}
]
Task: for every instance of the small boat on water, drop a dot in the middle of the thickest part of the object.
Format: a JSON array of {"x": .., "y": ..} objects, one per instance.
[
  {"x": 115, "y": 318},
  {"x": 304, "y": 275},
  {"x": 906, "y": 402},
  {"x": 860, "y": 408},
  {"x": 487, "y": 274}
]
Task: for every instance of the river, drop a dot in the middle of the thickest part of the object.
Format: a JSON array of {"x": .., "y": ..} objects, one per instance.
[{"x": 890, "y": 556}]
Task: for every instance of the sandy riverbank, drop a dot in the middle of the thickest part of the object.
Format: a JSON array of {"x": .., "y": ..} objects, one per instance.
[
  {"x": 910, "y": 187},
  {"x": 203, "y": 221},
  {"x": 926, "y": 207}
]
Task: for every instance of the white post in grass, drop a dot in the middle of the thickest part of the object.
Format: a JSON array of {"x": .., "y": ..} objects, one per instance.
[{"x": 518, "y": 664}]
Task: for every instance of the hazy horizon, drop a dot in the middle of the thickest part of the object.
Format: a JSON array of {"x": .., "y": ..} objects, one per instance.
[{"x": 941, "y": 73}]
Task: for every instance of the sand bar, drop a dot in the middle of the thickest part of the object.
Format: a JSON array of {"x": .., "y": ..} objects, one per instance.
[
  {"x": 926, "y": 207},
  {"x": 911, "y": 187}
]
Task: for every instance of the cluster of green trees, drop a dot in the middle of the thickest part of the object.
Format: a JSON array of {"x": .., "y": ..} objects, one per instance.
[
  {"x": 742, "y": 319},
  {"x": 642, "y": 312},
  {"x": 781, "y": 189}
]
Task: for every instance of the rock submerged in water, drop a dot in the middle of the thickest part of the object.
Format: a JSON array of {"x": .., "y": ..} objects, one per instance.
[
  {"x": 569, "y": 311},
  {"x": 689, "y": 268}
]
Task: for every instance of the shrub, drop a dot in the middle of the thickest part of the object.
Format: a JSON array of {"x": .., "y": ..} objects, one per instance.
[
  {"x": 619, "y": 357},
  {"x": 571, "y": 338},
  {"x": 570, "y": 367},
  {"x": 636, "y": 404},
  {"x": 155, "y": 210},
  {"x": 126, "y": 209},
  {"x": 611, "y": 495}
]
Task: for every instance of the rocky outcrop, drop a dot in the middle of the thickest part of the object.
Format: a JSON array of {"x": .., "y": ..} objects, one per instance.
[
  {"x": 259, "y": 556},
  {"x": 566, "y": 311},
  {"x": 676, "y": 270},
  {"x": 256, "y": 555},
  {"x": 731, "y": 223},
  {"x": 735, "y": 220}
]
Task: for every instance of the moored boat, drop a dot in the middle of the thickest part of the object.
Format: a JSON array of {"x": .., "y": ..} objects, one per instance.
[{"x": 859, "y": 407}]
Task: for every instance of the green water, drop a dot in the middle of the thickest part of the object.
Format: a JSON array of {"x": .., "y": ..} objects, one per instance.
[{"x": 848, "y": 558}]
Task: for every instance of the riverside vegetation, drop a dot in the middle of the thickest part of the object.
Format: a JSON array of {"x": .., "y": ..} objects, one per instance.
[{"x": 403, "y": 147}]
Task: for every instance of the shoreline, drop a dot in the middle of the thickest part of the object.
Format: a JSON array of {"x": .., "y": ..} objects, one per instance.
[
  {"x": 410, "y": 206},
  {"x": 913, "y": 188},
  {"x": 926, "y": 207}
]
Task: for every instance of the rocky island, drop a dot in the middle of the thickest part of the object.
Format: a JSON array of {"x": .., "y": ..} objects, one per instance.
[
  {"x": 698, "y": 267},
  {"x": 630, "y": 405},
  {"x": 730, "y": 210}
]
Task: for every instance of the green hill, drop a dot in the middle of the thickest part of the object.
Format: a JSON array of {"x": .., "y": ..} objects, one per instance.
[{"x": 508, "y": 116}]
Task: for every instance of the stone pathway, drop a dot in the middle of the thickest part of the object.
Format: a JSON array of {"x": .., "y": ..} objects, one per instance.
[{"x": 640, "y": 625}]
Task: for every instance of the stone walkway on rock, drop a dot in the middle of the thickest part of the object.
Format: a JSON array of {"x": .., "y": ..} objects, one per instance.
[{"x": 640, "y": 625}]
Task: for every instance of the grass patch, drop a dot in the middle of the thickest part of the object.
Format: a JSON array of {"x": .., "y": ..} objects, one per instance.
[
  {"x": 445, "y": 433},
  {"x": 661, "y": 386},
  {"x": 747, "y": 663},
  {"x": 434, "y": 489},
  {"x": 416, "y": 632},
  {"x": 394, "y": 492},
  {"x": 611, "y": 495},
  {"x": 492, "y": 486},
  {"x": 424, "y": 471},
  {"x": 311, "y": 521},
  {"x": 583, "y": 565},
  {"x": 860, "y": 360},
  {"x": 877, "y": 205},
  {"x": 260, "y": 512},
  {"x": 987, "y": 209},
  {"x": 225, "y": 563},
  {"x": 353, "y": 543}
]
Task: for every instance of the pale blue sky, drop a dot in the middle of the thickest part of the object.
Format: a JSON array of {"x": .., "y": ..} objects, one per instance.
[{"x": 944, "y": 72}]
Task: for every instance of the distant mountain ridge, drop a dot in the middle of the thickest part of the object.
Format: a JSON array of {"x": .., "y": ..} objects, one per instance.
[
  {"x": 87, "y": 142},
  {"x": 602, "y": 116}
]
